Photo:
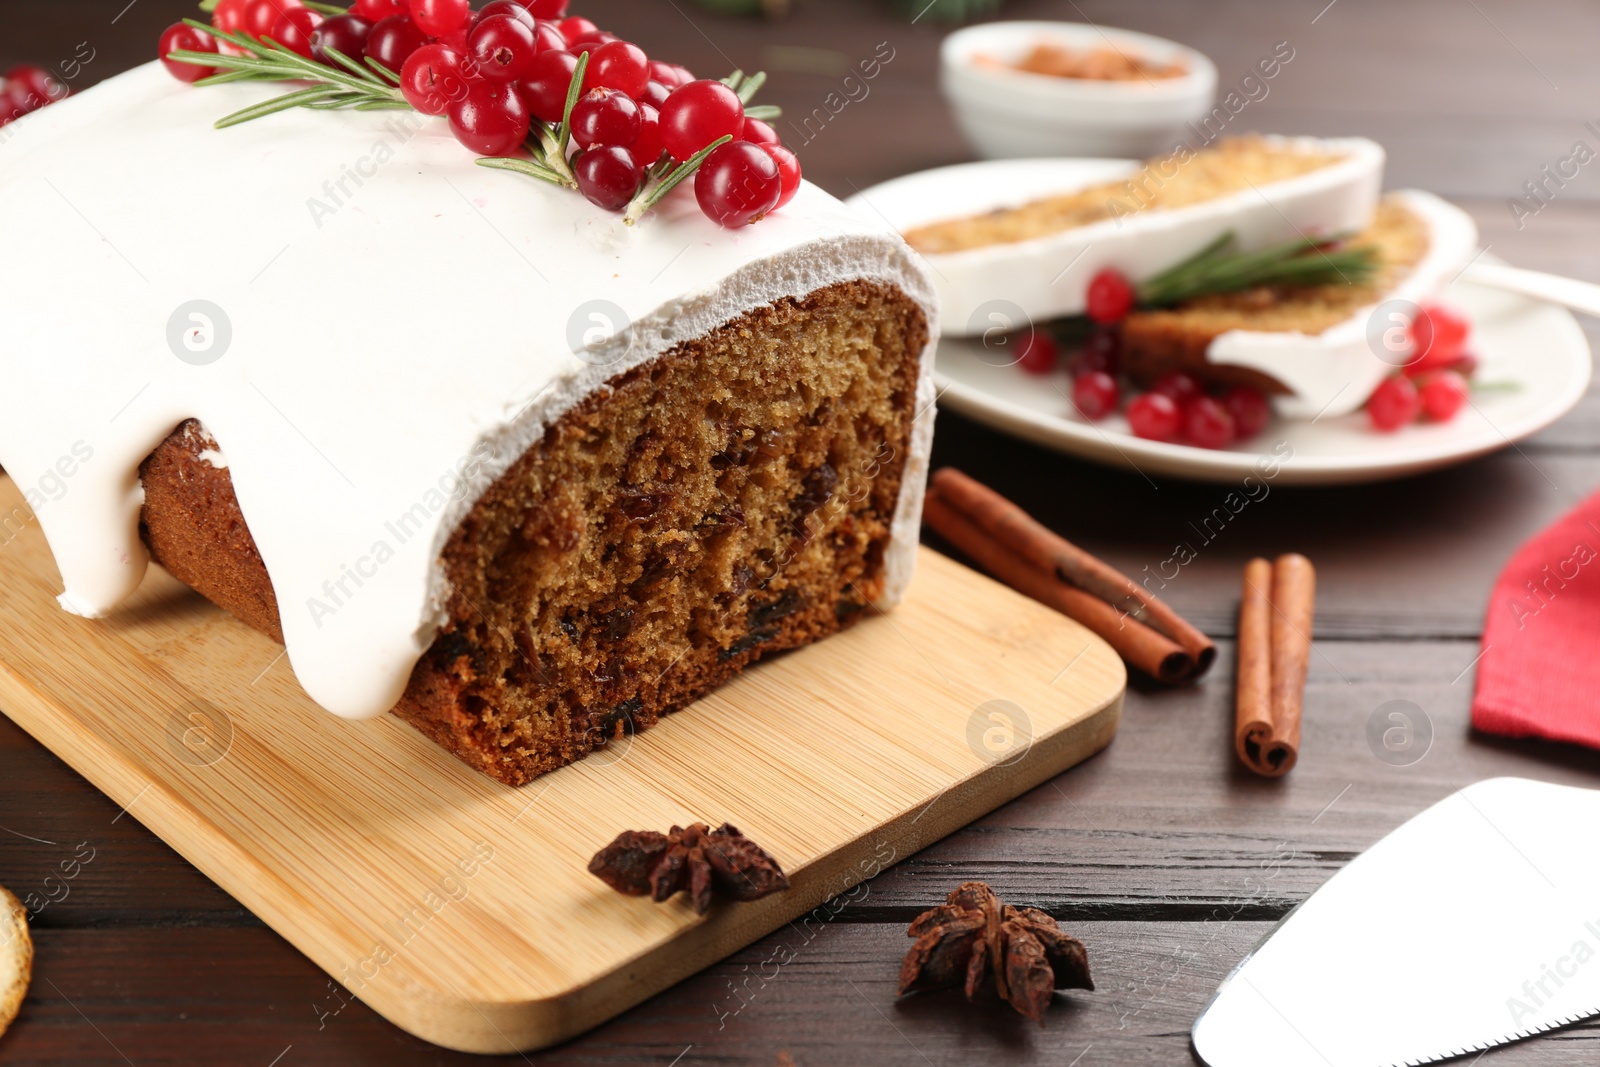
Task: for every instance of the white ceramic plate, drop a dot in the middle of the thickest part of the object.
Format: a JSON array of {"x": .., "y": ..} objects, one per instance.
[{"x": 1535, "y": 348}]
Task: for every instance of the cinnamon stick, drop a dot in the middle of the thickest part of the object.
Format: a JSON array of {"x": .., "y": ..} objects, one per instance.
[
  {"x": 1253, "y": 731},
  {"x": 1275, "y": 615},
  {"x": 1144, "y": 648},
  {"x": 1045, "y": 549}
]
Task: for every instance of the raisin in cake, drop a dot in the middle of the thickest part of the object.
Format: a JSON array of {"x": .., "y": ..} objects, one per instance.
[{"x": 473, "y": 449}]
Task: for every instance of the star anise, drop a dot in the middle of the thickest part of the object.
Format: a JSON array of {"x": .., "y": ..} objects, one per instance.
[
  {"x": 972, "y": 940},
  {"x": 694, "y": 858}
]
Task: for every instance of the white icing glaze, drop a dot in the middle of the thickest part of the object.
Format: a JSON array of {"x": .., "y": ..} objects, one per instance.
[
  {"x": 1335, "y": 371},
  {"x": 1048, "y": 277},
  {"x": 393, "y": 350}
]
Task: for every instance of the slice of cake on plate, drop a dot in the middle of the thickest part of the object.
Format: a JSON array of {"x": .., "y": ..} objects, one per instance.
[
  {"x": 1038, "y": 256},
  {"x": 478, "y": 451},
  {"x": 1315, "y": 349}
]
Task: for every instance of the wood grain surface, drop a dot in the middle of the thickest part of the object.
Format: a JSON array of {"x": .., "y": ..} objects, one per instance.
[
  {"x": 462, "y": 909},
  {"x": 1167, "y": 860}
]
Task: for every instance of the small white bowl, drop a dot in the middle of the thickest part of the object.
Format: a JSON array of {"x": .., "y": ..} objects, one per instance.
[{"x": 1012, "y": 113}]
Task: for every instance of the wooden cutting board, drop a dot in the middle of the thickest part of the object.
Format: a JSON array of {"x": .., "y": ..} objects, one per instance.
[{"x": 461, "y": 909}]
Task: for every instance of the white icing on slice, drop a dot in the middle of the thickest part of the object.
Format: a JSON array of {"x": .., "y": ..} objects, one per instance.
[{"x": 397, "y": 332}]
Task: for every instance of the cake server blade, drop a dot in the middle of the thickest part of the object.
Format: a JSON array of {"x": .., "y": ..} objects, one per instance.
[{"x": 1474, "y": 924}]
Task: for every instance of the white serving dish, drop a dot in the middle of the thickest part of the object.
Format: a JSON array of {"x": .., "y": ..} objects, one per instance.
[
  {"x": 1008, "y": 113},
  {"x": 1536, "y": 350},
  {"x": 1007, "y": 286}
]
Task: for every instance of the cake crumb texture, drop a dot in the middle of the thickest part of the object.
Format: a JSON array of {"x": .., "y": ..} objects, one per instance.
[{"x": 729, "y": 499}]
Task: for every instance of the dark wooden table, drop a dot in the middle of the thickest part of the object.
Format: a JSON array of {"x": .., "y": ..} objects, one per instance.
[{"x": 1166, "y": 858}]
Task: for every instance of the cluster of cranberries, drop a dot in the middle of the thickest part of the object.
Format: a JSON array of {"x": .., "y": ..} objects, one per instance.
[
  {"x": 1176, "y": 407},
  {"x": 26, "y": 89},
  {"x": 493, "y": 71},
  {"x": 1434, "y": 382}
]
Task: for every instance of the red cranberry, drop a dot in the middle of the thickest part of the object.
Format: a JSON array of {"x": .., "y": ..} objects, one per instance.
[
  {"x": 260, "y": 16},
  {"x": 294, "y": 28},
  {"x": 503, "y": 47},
  {"x": 229, "y": 15},
  {"x": 605, "y": 117},
  {"x": 432, "y": 78},
  {"x": 1207, "y": 423},
  {"x": 177, "y": 37},
  {"x": 547, "y": 9},
  {"x": 697, "y": 114},
  {"x": 38, "y": 84},
  {"x": 737, "y": 184},
  {"x": 788, "y": 170},
  {"x": 515, "y": 8},
  {"x": 655, "y": 94},
  {"x": 670, "y": 74},
  {"x": 394, "y": 40},
  {"x": 1438, "y": 335},
  {"x": 1250, "y": 410},
  {"x": 1101, "y": 351},
  {"x": 1037, "y": 352},
  {"x": 378, "y": 10},
  {"x": 759, "y": 132},
  {"x": 439, "y": 18},
  {"x": 575, "y": 28},
  {"x": 618, "y": 65},
  {"x": 491, "y": 119},
  {"x": 590, "y": 42},
  {"x": 1395, "y": 403},
  {"x": 345, "y": 34},
  {"x": 1110, "y": 297},
  {"x": 1155, "y": 417},
  {"x": 1095, "y": 394},
  {"x": 608, "y": 176},
  {"x": 1178, "y": 385},
  {"x": 545, "y": 88},
  {"x": 646, "y": 148},
  {"x": 1443, "y": 395}
]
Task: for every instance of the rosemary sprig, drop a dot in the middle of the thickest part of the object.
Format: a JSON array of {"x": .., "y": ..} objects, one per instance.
[
  {"x": 370, "y": 86},
  {"x": 362, "y": 86},
  {"x": 1302, "y": 261}
]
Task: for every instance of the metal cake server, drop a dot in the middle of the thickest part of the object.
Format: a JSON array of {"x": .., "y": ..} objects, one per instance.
[{"x": 1474, "y": 924}]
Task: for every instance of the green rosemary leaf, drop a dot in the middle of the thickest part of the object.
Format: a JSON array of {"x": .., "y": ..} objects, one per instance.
[
  {"x": 358, "y": 69},
  {"x": 324, "y": 9},
  {"x": 208, "y": 6},
  {"x": 750, "y": 86},
  {"x": 764, "y": 112},
  {"x": 232, "y": 76},
  {"x": 381, "y": 105},
  {"x": 733, "y": 80},
  {"x": 649, "y": 197},
  {"x": 523, "y": 166},
  {"x": 273, "y": 58},
  {"x": 564, "y": 134},
  {"x": 299, "y": 98},
  {"x": 383, "y": 72},
  {"x": 1300, "y": 262}
]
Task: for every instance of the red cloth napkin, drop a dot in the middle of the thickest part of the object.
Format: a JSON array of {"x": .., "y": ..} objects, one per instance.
[{"x": 1539, "y": 671}]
